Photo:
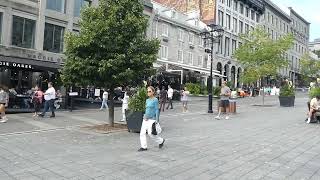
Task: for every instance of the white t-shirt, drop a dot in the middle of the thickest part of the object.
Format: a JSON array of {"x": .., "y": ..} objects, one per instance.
[
  {"x": 170, "y": 93},
  {"x": 105, "y": 95},
  {"x": 50, "y": 94},
  {"x": 125, "y": 99},
  {"x": 314, "y": 103}
]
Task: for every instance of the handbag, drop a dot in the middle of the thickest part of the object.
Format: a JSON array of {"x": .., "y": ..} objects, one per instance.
[{"x": 156, "y": 128}]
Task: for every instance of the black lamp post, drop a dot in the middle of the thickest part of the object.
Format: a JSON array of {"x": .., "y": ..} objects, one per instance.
[{"x": 211, "y": 35}]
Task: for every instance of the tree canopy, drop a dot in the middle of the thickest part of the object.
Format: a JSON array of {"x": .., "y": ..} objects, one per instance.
[
  {"x": 111, "y": 48},
  {"x": 261, "y": 56}
]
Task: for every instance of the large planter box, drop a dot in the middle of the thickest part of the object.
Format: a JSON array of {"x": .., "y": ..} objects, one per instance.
[
  {"x": 134, "y": 120},
  {"x": 286, "y": 101}
]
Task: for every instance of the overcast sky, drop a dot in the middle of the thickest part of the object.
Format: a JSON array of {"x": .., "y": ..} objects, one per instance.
[{"x": 308, "y": 9}]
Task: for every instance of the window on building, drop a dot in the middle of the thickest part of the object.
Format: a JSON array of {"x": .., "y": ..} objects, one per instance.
[
  {"x": 235, "y": 25},
  {"x": 272, "y": 19},
  {"x": 227, "y": 46},
  {"x": 272, "y": 35},
  {"x": 220, "y": 18},
  {"x": 0, "y": 27},
  {"x": 247, "y": 11},
  {"x": 191, "y": 38},
  {"x": 234, "y": 45},
  {"x": 190, "y": 58},
  {"x": 164, "y": 52},
  {"x": 228, "y": 3},
  {"x": 246, "y": 28},
  {"x": 180, "y": 55},
  {"x": 200, "y": 60},
  {"x": 228, "y": 23},
  {"x": 241, "y": 27},
  {"x": 53, "y": 38},
  {"x": 165, "y": 30},
  {"x": 241, "y": 8},
  {"x": 235, "y": 5},
  {"x": 180, "y": 37},
  {"x": 276, "y": 22},
  {"x": 220, "y": 47},
  {"x": 253, "y": 15},
  {"x": 56, "y": 5},
  {"x": 257, "y": 18},
  {"x": 78, "y": 4},
  {"x": 201, "y": 42},
  {"x": 23, "y": 32},
  {"x": 269, "y": 17}
]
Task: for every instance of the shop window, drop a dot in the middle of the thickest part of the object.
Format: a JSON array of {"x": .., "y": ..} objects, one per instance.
[
  {"x": 56, "y": 5},
  {"x": 78, "y": 4},
  {"x": 23, "y": 32},
  {"x": 53, "y": 38}
]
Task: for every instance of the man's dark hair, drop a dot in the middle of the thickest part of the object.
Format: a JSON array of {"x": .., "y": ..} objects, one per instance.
[
  {"x": 50, "y": 83},
  {"x": 318, "y": 96}
]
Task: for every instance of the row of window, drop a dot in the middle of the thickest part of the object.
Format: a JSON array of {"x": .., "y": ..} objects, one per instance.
[
  {"x": 277, "y": 23},
  {"x": 240, "y": 7},
  {"x": 191, "y": 35},
  {"x": 243, "y": 27},
  {"x": 60, "y": 5},
  {"x": 189, "y": 60},
  {"x": 23, "y": 34}
]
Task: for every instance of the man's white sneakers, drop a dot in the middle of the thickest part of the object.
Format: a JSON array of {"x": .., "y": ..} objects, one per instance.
[
  {"x": 309, "y": 119},
  {"x": 217, "y": 117},
  {"x": 227, "y": 117},
  {"x": 4, "y": 119}
]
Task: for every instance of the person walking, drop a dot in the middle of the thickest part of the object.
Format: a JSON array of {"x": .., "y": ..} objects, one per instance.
[
  {"x": 4, "y": 100},
  {"x": 37, "y": 100},
  {"x": 49, "y": 97},
  {"x": 163, "y": 98},
  {"x": 224, "y": 100},
  {"x": 151, "y": 115},
  {"x": 184, "y": 99},
  {"x": 104, "y": 103},
  {"x": 125, "y": 102},
  {"x": 170, "y": 96}
]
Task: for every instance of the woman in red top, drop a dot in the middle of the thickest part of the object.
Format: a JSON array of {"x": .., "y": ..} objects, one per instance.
[{"x": 37, "y": 100}]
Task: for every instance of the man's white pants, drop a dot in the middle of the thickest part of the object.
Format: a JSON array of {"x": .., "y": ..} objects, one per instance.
[
  {"x": 147, "y": 126},
  {"x": 124, "y": 107}
]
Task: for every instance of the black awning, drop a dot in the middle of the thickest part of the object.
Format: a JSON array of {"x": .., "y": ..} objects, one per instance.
[{"x": 16, "y": 62}]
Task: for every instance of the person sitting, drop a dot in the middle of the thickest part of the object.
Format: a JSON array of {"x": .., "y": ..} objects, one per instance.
[{"x": 314, "y": 107}]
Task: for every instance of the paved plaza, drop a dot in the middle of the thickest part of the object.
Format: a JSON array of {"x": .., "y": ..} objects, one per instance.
[{"x": 256, "y": 143}]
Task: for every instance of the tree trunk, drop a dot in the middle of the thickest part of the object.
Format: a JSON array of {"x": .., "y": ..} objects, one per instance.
[
  {"x": 263, "y": 96},
  {"x": 111, "y": 108}
]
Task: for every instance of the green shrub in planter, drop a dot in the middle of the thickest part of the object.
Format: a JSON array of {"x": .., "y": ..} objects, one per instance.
[
  {"x": 138, "y": 101},
  {"x": 315, "y": 91},
  {"x": 193, "y": 88},
  {"x": 287, "y": 91}
]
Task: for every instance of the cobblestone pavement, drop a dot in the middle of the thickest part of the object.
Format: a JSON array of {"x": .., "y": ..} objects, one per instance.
[{"x": 256, "y": 143}]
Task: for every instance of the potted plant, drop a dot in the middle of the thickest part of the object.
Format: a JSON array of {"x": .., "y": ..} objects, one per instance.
[
  {"x": 137, "y": 106},
  {"x": 287, "y": 95}
]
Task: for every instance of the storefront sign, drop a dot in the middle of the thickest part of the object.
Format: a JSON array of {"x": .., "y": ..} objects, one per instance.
[
  {"x": 42, "y": 57},
  {"x": 17, "y": 65}
]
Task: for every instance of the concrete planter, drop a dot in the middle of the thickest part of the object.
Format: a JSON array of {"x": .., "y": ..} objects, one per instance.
[
  {"x": 286, "y": 101},
  {"x": 134, "y": 120}
]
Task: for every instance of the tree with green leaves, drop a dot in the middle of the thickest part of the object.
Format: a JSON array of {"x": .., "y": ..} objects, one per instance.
[
  {"x": 261, "y": 56},
  {"x": 310, "y": 68},
  {"x": 111, "y": 49}
]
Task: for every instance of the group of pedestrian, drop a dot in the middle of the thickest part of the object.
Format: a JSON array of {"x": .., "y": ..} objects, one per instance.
[{"x": 165, "y": 96}]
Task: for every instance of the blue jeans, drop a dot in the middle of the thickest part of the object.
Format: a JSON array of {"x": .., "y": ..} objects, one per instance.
[
  {"x": 48, "y": 104},
  {"x": 104, "y": 103}
]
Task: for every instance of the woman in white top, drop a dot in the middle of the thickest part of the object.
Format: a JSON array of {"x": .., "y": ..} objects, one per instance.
[
  {"x": 184, "y": 99},
  {"x": 125, "y": 102}
]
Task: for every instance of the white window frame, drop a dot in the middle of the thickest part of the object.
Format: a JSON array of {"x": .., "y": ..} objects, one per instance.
[
  {"x": 180, "y": 60},
  {"x": 190, "y": 61},
  {"x": 165, "y": 30},
  {"x": 180, "y": 35},
  {"x": 191, "y": 35},
  {"x": 200, "y": 60},
  {"x": 164, "y": 52}
]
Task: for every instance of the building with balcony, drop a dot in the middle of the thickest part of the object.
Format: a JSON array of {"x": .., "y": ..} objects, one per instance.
[{"x": 315, "y": 45}]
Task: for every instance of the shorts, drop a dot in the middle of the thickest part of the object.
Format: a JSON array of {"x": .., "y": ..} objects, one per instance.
[{"x": 224, "y": 103}]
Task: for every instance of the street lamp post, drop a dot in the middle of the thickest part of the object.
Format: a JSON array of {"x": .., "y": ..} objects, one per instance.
[{"x": 211, "y": 35}]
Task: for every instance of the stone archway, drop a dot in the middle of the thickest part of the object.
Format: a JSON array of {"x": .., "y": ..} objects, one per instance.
[
  {"x": 233, "y": 76},
  {"x": 226, "y": 72},
  {"x": 238, "y": 76}
]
